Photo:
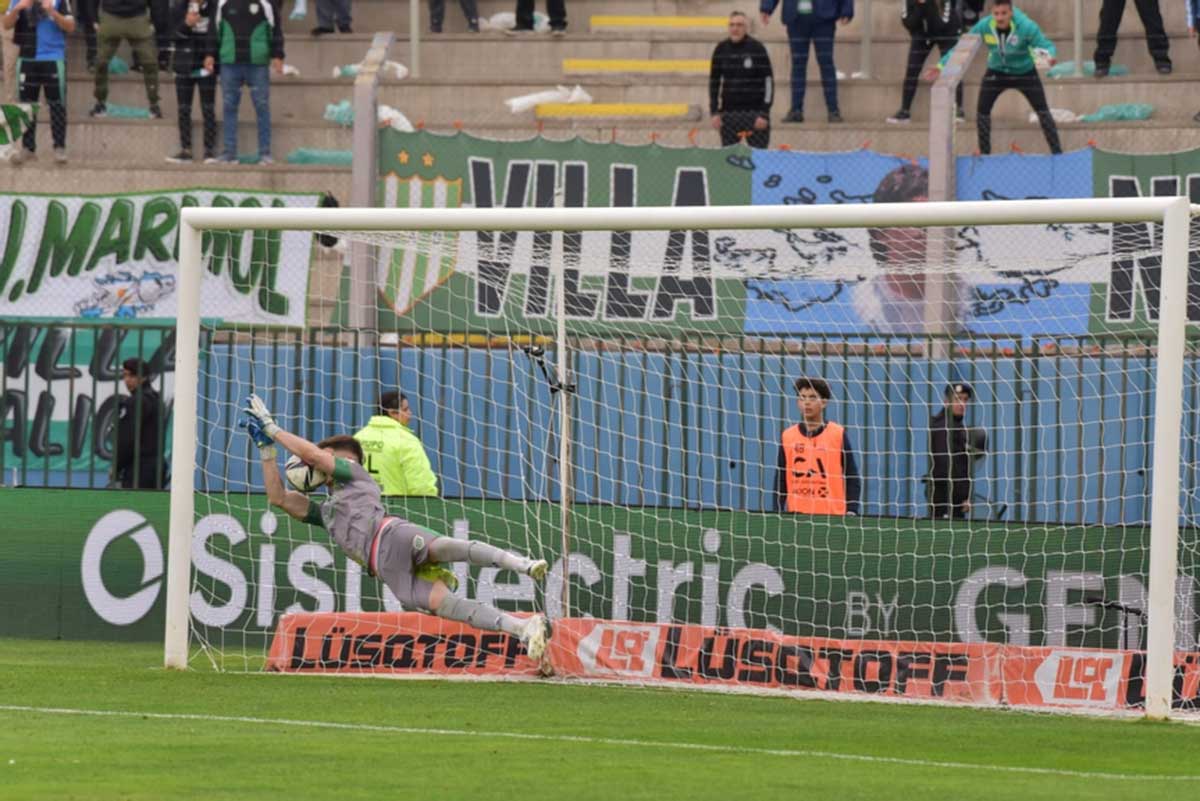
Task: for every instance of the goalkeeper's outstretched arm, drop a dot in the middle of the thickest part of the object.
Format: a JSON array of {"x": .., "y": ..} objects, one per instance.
[{"x": 265, "y": 432}]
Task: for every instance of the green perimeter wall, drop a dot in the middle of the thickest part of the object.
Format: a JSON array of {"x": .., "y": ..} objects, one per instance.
[{"x": 857, "y": 577}]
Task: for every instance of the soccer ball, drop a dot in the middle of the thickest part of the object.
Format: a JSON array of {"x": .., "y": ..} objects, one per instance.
[{"x": 303, "y": 477}]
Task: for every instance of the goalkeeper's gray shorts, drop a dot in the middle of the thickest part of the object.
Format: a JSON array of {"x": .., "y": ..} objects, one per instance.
[{"x": 399, "y": 550}]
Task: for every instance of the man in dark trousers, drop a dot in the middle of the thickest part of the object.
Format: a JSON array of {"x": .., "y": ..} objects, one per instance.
[
  {"x": 190, "y": 20},
  {"x": 138, "y": 461},
  {"x": 953, "y": 449},
  {"x": 1012, "y": 40},
  {"x": 556, "y": 10},
  {"x": 741, "y": 86},
  {"x": 811, "y": 22},
  {"x": 930, "y": 24},
  {"x": 1111, "y": 12}
]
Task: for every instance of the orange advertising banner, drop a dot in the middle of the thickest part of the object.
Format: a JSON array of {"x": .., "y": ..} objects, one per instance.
[{"x": 976, "y": 673}]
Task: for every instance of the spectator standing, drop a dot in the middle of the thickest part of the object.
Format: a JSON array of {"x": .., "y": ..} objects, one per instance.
[
  {"x": 741, "y": 86},
  {"x": 128, "y": 20},
  {"x": 953, "y": 449},
  {"x": 40, "y": 28},
  {"x": 244, "y": 37},
  {"x": 393, "y": 454},
  {"x": 1159, "y": 45},
  {"x": 556, "y": 10},
  {"x": 930, "y": 23},
  {"x": 437, "y": 15},
  {"x": 1193, "y": 21},
  {"x": 190, "y": 20},
  {"x": 811, "y": 22},
  {"x": 331, "y": 12},
  {"x": 8, "y": 63},
  {"x": 817, "y": 473},
  {"x": 88, "y": 17},
  {"x": 1012, "y": 40},
  {"x": 138, "y": 462}
]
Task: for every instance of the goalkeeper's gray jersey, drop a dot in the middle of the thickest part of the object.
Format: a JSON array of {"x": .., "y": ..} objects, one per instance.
[{"x": 353, "y": 511}]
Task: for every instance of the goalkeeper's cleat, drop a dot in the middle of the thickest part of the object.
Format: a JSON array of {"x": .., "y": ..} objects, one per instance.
[
  {"x": 537, "y": 569},
  {"x": 535, "y": 636}
]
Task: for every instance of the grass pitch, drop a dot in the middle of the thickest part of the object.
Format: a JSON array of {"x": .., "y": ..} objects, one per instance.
[{"x": 228, "y": 736}]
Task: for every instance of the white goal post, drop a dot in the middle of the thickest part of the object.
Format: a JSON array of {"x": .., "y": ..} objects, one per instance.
[{"x": 1174, "y": 214}]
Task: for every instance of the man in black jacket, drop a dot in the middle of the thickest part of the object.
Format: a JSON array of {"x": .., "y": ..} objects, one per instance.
[
  {"x": 741, "y": 86},
  {"x": 190, "y": 20},
  {"x": 953, "y": 449},
  {"x": 138, "y": 461},
  {"x": 930, "y": 23}
]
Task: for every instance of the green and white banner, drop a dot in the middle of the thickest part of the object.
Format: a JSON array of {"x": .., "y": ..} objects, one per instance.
[
  {"x": 15, "y": 118},
  {"x": 116, "y": 256}
]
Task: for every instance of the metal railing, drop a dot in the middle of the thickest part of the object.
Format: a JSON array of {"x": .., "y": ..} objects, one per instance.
[{"x": 678, "y": 423}]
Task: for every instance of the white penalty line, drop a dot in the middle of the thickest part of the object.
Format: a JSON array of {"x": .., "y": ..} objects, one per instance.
[{"x": 610, "y": 741}]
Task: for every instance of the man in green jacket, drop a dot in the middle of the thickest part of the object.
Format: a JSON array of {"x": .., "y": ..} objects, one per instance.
[
  {"x": 1013, "y": 41},
  {"x": 393, "y": 455}
]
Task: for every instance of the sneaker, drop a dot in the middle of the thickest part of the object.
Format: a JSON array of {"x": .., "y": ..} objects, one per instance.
[
  {"x": 794, "y": 116},
  {"x": 182, "y": 157},
  {"x": 535, "y": 636},
  {"x": 211, "y": 158},
  {"x": 835, "y": 116},
  {"x": 517, "y": 31},
  {"x": 1196, "y": 119},
  {"x": 98, "y": 110},
  {"x": 266, "y": 160},
  {"x": 227, "y": 160},
  {"x": 345, "y": 28},
  {"x": 60, "y": 155},
  {"x": 472, "y": 26},
  {"x": 155, "y": 112},
  {"x": 537, "y": 569},
  {"x": 558, "y": 33},
  {"x": 1101, "y": 72},
  {"x": 21, "y": 155},
  {"x": 1163, "y": 67},
  {"x": 901, "y": 117},
  {"x": 960, "y": 115},
  {"x": 435, "y": 28},
  {"x": 91, "y": 66},
  {"x": 321, "y": 31}
]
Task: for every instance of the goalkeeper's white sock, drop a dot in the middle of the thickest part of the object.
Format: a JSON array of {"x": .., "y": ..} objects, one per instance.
[
  {"x": 481, "y": 616},
  {"x": 448, "y": 549}
]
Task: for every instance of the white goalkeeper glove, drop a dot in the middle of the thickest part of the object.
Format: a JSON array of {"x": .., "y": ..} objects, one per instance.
[{"x": 260, "y": 425}]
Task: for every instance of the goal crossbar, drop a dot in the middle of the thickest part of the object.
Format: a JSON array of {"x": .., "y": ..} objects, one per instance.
[{"x": 865, "y": 215}]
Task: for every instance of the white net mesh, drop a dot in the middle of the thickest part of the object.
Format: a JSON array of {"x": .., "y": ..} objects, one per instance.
[{"x": 721, "y": 530}]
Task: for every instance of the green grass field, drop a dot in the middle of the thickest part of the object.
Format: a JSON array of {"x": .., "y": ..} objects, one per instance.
[{"x": 228, "y": 736}]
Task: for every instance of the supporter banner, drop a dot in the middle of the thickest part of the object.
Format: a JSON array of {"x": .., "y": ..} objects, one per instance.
[
  {"x": 116, "y": 256},
  {"x": 805, "y": 577},
  {"x": 983, "y": 673},
  {"x": 15, "y": 118},
  {"x": 1128, "y": 300},
  {"x": 1040, "y": 280},
  {"x": 59, "y": 390},
  {"x": 488, "y": 282}
]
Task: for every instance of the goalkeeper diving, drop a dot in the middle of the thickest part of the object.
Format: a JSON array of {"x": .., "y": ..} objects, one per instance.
[{"x": 404, "y": 555}]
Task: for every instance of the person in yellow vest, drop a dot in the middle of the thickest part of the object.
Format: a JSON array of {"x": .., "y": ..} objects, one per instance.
[
  {"x": 817, "y": 472},
  {"x": 392, "y": 453}
]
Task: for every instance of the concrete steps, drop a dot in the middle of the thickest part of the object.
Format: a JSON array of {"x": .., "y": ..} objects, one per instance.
[
  {"x": 1055, "y": 16},
  {"x": 479, "y": 101}
]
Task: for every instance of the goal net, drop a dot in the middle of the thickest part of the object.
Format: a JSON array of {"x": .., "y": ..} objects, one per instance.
[{"x": 820, "y": 451}]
